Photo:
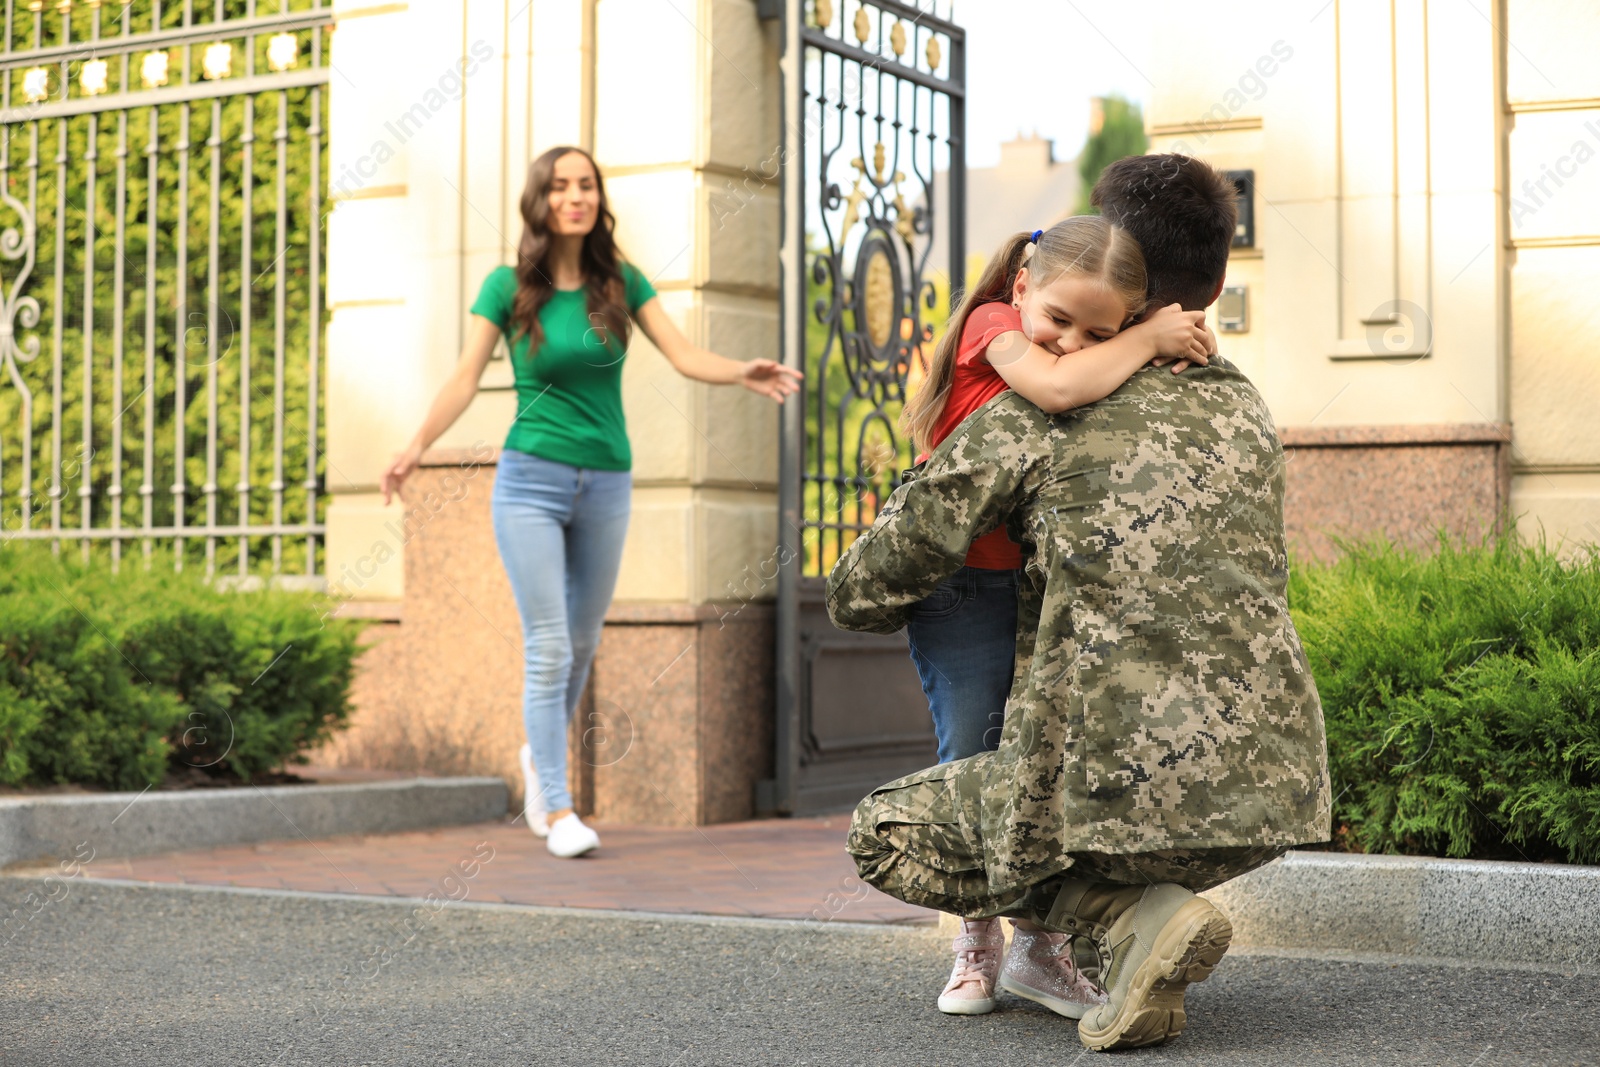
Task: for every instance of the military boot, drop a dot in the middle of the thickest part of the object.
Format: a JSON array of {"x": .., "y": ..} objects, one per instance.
[{"x": 1153, "y": 948}]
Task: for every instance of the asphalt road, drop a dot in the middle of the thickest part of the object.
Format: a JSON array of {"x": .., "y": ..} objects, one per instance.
[{"x": 106, "y": 974}]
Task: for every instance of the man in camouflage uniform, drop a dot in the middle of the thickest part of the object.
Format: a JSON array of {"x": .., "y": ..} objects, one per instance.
[{"x": 1163, "y": 732}]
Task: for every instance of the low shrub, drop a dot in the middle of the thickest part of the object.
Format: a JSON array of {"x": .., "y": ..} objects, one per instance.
[
  {"x": 114, "y": 679},
  {"x": 1461, "y": 689}
]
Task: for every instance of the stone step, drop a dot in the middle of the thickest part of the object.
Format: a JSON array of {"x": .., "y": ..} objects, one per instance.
[
  {"x": 1335, "y": 903},
  {"x": 35, "y": 829},
  {"x": 1535, "y": 913}
]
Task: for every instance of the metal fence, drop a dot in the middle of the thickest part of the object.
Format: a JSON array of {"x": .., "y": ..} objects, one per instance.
[{"x": 161, "y": 319}]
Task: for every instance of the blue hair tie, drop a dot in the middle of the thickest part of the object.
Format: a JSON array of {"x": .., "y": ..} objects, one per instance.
[{"x": 1036, "y": 235}]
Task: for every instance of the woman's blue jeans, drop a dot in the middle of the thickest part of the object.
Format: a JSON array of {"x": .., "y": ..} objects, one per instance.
[
  {"x": 963, "y": 639},
  {"x": 560, "y": 531}
]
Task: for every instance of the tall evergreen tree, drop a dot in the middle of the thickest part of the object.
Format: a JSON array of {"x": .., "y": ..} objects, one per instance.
[{"x": 1116, "y": 130}]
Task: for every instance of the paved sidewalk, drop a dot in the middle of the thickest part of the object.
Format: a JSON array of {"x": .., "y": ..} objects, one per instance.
[
  {"x": 772, "y": 868},
  {"x": 104, "y": 973}
]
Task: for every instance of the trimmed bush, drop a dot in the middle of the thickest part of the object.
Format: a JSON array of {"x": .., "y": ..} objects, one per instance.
[
  {"x": 1462, "y": 696},
  {"x": 113, "y": 680}
]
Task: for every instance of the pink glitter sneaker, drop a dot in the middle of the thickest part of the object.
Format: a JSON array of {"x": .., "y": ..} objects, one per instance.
[
  {"x": 970, "y": 990},
  {"x": 1040, "y": 967}
]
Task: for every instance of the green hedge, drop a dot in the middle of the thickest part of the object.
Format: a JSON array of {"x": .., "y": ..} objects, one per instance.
[
  {"x": 113, "y": 680},
  {"x": 1462, "y": 696}
]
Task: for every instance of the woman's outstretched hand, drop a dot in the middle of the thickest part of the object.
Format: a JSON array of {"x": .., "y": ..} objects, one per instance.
[
  {"x": 395, "y": 474},
  {"x": 770, "y": 378}
]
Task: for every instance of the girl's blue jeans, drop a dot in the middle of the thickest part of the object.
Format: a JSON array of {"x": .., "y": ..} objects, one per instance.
[
  {"x": 560, "y": 531},
  {"x": 963, "y": 639}
]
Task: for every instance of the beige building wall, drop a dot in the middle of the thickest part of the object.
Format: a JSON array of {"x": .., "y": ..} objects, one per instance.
[
  {"x": 1552, "y": 177},
  {"x": 425, "y": 209},
  {"x": 1413, "y": 328},
  {"x": 430, "y": 103},
  {"x": 437, "y": 108}
]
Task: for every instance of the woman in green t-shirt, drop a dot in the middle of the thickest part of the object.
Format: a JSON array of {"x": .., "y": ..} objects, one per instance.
[{"x": 562, "y": 486}]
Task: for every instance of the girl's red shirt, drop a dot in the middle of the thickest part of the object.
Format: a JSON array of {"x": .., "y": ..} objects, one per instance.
[{"x": 975, "y": 383}]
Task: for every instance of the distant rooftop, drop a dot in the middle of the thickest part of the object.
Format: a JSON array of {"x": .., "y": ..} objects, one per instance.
[{"x": 1029, "y": 190}]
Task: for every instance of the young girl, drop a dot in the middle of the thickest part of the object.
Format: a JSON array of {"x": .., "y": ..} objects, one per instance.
[{"x": 1049, "y": 319}]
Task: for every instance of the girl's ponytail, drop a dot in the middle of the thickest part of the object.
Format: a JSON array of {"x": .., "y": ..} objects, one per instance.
[{"x": 921, "y": 413}]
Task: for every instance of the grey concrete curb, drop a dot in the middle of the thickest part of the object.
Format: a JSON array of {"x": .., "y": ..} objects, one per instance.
[
  {"x": 1539, "y": 913},
  {"x": 134, "y": 824}
]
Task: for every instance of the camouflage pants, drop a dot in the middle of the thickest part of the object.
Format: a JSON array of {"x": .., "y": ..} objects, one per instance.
[{"x": 919, "y": 838}]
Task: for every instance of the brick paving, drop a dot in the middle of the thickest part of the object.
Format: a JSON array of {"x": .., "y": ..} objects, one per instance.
[{"x": 771, "y": 868}]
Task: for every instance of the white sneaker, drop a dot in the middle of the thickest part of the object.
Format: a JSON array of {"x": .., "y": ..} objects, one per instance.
[
  {"x": 569, "y": 837},
  {"x": 532, "y": 797}
]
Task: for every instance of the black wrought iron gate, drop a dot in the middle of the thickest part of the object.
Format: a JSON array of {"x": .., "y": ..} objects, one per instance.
[{"x": 874, "y": 185}]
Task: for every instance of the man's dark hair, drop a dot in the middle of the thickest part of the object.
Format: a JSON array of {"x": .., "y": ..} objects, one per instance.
[{"x": 1182, "y": 212}]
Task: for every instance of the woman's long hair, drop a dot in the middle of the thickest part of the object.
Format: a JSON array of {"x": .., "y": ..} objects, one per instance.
[
  {"x": 1083, "y": 244},
  {"x": 600, "y": 261}
]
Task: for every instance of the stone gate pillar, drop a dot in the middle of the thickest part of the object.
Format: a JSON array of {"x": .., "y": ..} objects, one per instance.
[
  {"x": 687, "y": 133},
  {"x": 445, "y": 106}
]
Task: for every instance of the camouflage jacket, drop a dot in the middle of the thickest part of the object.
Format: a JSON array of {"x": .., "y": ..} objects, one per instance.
[{"x": 1161, "y": 698}]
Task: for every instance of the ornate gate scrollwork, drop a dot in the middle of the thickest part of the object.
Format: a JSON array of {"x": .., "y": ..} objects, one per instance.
[
  {"x": 15, "y": 310},
  {"x": 876, "y": 170}
]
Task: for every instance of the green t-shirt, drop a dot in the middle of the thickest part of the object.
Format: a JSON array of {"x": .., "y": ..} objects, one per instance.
[{"x": 569, "y": 394}]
